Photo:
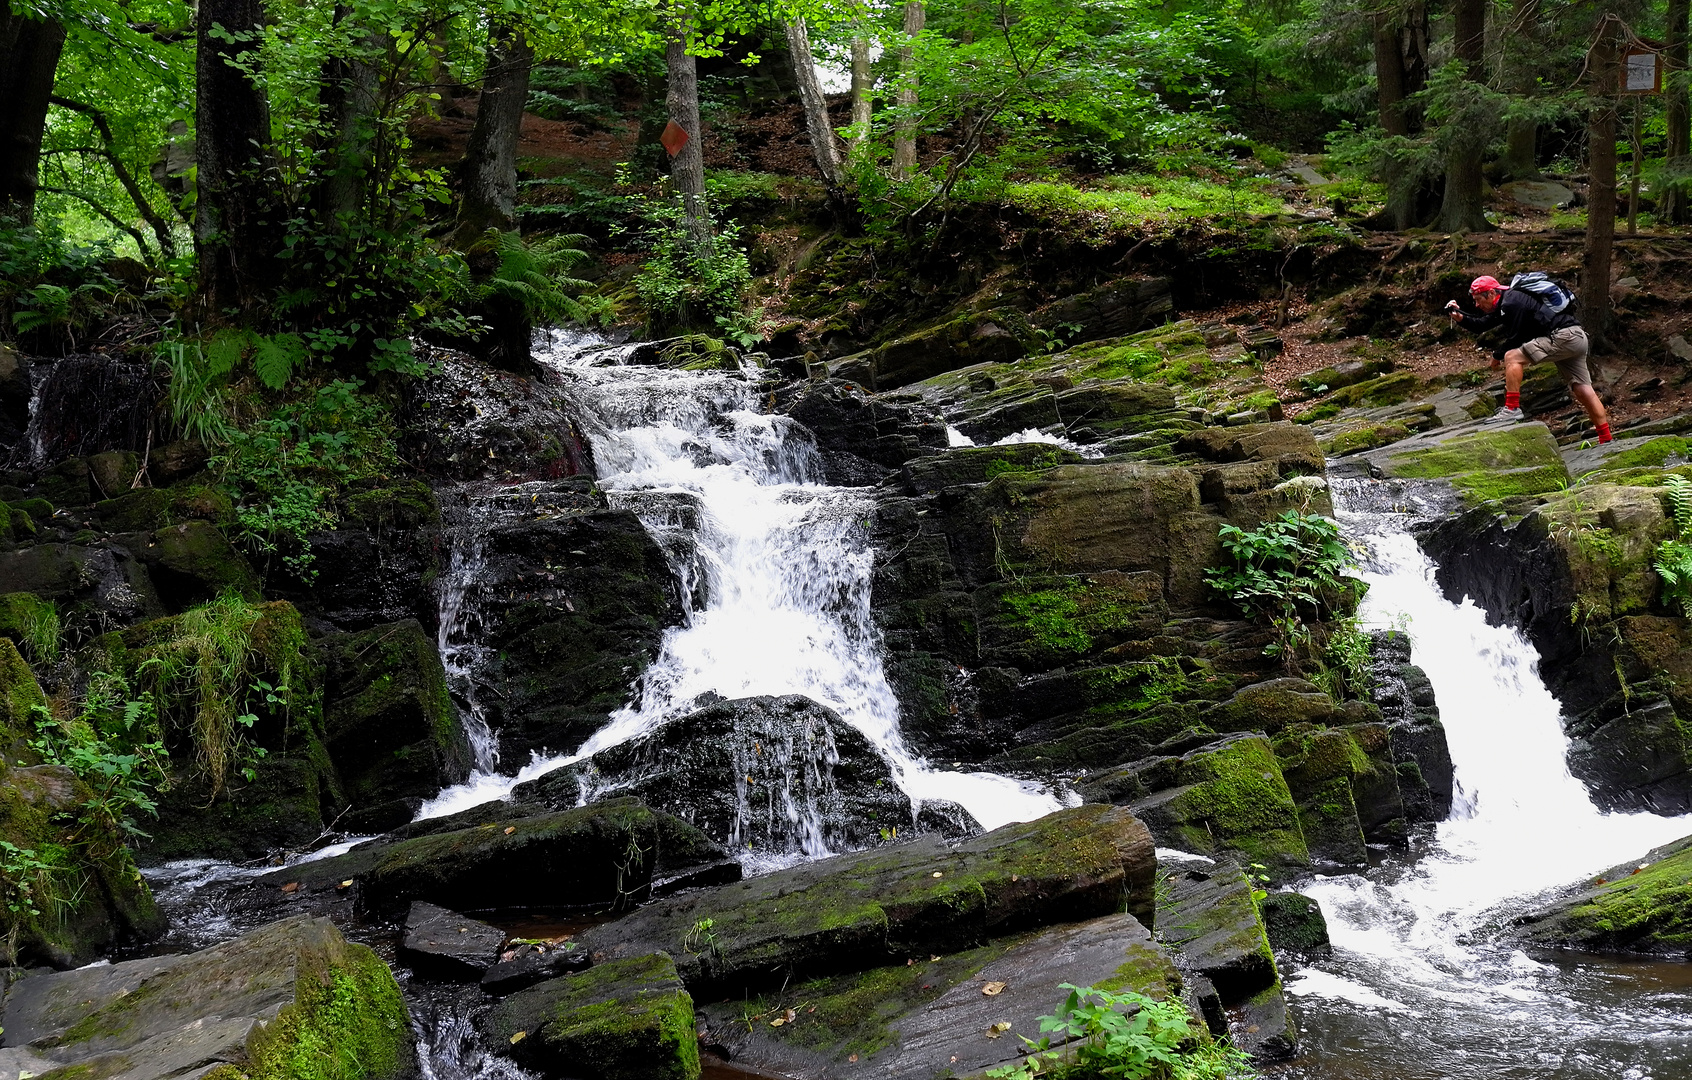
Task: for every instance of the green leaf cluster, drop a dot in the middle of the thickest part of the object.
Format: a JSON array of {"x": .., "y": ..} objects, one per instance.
[
  {"x": 1124, "y": 1035},
  {"x": 1673, "y": 561}
]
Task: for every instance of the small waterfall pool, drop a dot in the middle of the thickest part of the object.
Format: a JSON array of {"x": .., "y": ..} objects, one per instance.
[
  {"x": 779, "y": 565},
  {"x": 1415, "y": 990}
]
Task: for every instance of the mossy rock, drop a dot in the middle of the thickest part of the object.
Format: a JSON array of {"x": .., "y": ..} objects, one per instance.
[
  {"x": 623, "y": 1020},
  {"x": 401, "y": 504},
  {"x": 193, "y": 562},
  {"x": 1295, "y": 923},
  {"x": 1608, "y": 535},
  {"x": 1640, "y": 907},
  {"x": 1038, "y": 623},
  {"x": 21, "y": 700},
  {"x": 291, "y": 1001},
  {"x": 1339, "y": 778},
  {"x": 70, "y": 889},
  {"x": 977, "y": 465},
  {"x": 1489, "y": 465},
  {"x": 388, "y": 722},
  {"x": 1368, "y": 435},
  {"x": 1207, "y": 913},
  {"x": 1228, "y": 796},
  {"x": 1392, "y": 389}
]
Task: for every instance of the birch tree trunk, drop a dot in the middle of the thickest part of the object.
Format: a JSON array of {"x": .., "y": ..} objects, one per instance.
[
  {"x": 861, "y": 86},
  {"x": 490, "y": 157},
  {"x": 904, "y": 134},
  {"x": 823, "y": 150}
]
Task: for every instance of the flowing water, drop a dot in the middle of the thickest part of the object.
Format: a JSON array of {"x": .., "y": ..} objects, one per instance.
[
  {"x": 778, "y": 565},
  {"x": 1415, "y": 990}
]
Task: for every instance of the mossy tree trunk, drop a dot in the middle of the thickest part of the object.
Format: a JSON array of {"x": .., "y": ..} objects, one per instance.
[
  {"x": 1604, "y": 64},
  {"x": 235, "y": 231},
  {"x": 1401, "y": 69},
  {"x": 1676, "y": 205},
  {"x": 904, "y": 133},
  {"x": 490, "y": 157},
  {"x": 1461, "y": 210},
  {"x": 1521, "y": 53},
  {"x": 29, "y": 58}
]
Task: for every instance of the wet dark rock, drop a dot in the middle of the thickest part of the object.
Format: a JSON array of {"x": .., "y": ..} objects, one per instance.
[
  {"x": 977, "y": 465},
  {"x": 930, "y": 1018},
  {"x": 600, "y": 856},
  {"x": 108, "y": 581},
  {"x": 379, "y": 567},
  {"x": 1345, "y": 785},
  {"x": 261, "y": 1003},
  {"x": 762, "y": 774},
  {"x": 192, "y": 563},
  {"x": 1122, "y": 306},
  {"x": 1207, "y": 915},
  {"x": 1228, "y": 796},
  {"x": 1641, "y": 907},
  {"x": 89, "y": 404},
  {"x": 990, "y": 337},
  {"x": 1295, "y": 924},
  {"x": 14, "y": 398},
  {"x": 531, "y": 963},
  {"x": 877, "y": 907},
  {"x": 573, "y": 608},
  {"x": 113, "y": 472},
  {"x": 861, "y": 438},
  {"x": 628, "y": 1019},
  {"x": 1420, "y": 752},
  {"x": 947, "y": 819},
  {"x": 389, "y": 726},
  {"x": 443, "y": 944}
]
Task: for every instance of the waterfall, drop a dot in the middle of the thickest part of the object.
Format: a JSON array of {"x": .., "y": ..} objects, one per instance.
[
  {"x": 778, "y": 570},
  {"x": 1413, "y": 978}
]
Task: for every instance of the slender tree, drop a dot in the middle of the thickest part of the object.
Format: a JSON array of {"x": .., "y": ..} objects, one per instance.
[
  {"x": 904, "y": 135},
  {"x": 687, "y": 164},
  {"x": 490, "y": 157},
  {"x": 1401, "y": 70},
  {"x": 350, "y": 105},
  {"x": 862, "y": 83},
  {"x": 1467, "y": 133},
  {"x": 1521, "y": 55},
  {"x": 823, "y": 149},
  {"x": 1604, "y": 68},
  {"x": 234, "y": 227},
  {"x": 29, "y": 56},
  {"x": 1676, "y": 205}
]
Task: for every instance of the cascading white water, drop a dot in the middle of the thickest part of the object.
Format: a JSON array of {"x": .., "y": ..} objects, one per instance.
[
  {"x": 782, "y": 561},
  {"x": 1413, "y": 990},
  {"x": 461, "y": 642}
]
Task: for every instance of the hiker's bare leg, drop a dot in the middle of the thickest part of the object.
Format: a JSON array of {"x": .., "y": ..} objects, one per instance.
[{"x": 1591, "y": 402}]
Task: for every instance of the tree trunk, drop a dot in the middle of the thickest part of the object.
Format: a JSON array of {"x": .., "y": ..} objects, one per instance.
[
  {"x": 1521, "y": 160},
  {"x": 904, "y": 132},
  {"x": 490, "y": 157},
  {"x": 687, "y": 165},
  {"x": 234, "y": 231},
  {"x": 1461, "y": 211},
  {"x": 823, "y": 150},
  {"x": 349, "y": 103},
  {"x": 29, "y": 57},
  {"x": 1604, "y": 63},
  {"x": 861, "y": 86},
  {"x": 1676, "y": 204},
  {"x": 1401, "y": 69}
]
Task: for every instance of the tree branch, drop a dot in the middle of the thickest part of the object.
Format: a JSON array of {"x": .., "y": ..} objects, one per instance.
[
  {"x": 160, "y": 227},
  {"x": 140, "y": 241}
]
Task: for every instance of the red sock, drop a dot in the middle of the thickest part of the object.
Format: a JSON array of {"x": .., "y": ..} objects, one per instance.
[
  {"x": 1604, "y": 435},
  {"x": 1512, "y": 399}
]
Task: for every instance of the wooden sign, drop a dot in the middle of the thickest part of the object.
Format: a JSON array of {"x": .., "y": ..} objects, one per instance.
[{"x": 1642, "y": 71}]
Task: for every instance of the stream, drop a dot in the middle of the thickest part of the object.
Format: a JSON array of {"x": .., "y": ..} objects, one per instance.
[{"x": 1414, "y": 990}]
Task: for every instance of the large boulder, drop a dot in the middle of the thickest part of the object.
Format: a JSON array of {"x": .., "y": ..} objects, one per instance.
[
  {"x": 1487, "y": 465},
  {"x": 1345, "y": 784},
  {"x": 861, "y": 438},
  {"x": 1421, "y": 756},
  {"x": 623, "y": 1020},
  {"x": 781, "y": 774},
  {"x": 388, "y": 723},
  {"x": 293, "y": 999},
  {"x": 875, "y": 907},
  {"x": 192, "y": 563},
  {"x": 107, "y": 582}
]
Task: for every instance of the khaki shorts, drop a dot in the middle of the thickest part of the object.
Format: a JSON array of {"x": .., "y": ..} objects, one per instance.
[{"x": 1565, "y": 347}]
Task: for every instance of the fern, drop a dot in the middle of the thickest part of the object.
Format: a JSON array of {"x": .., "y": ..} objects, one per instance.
[
  {"x": 1673, "y": 561},
  {"x": 535, "y": 273},
  {"x": 276, "y": 356}
]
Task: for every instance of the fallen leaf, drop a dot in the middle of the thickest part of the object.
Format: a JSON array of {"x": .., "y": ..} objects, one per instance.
[
  {"x": 911, "y": 962},
  {"x": 934, "y": 959},
  {"x": 996, "y": 1030},
  {"x": 928, "y": 986},
  {"x": 509, "y": 829},
  {"x": 854, "y": 1057},
  {"x": 519, "y": 1037},
  {"x": 811, "y": 1010},
  {"x": 993, "y": 989},
  {"x": 937, "y": 873},
  {"x": 778, "y": 1021},
  {"x": 291, "y": 886},
  {"x": 347, "y": 884},
  {"x": 790, "y": 1016}
]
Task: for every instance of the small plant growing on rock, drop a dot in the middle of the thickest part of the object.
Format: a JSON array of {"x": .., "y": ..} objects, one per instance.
[
  {"x": 1674, "y": 556},
  {"x": 1126, "y": 1035}
]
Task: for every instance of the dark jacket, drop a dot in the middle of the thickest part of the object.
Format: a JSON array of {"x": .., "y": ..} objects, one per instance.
[{"x": 1523, "y": 318}]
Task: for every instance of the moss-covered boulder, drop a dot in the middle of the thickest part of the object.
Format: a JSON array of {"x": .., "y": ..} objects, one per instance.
[
  {"x": 623, "y": 1020},
  {"x": 378, "y": 566},
  {"x": 68, "y": 887},
  {"x": 1295, "y": 924},
  {"x": 1227, "y": 796},
  {"x": 1487, "y": 465},
  {"x": 876, "y": 907},
  {"x": 291, "y": 1001},
  {"x": 930, "y": 1017},
  {"x": 193, "y": 562},
  {"x": 109, "y": 585},
  {"x": 967, "y": 339},
  {"x": 388, "y": 724},
  {"x": 21, "y": 701},
  {"x": 1642, "y": 906},
  {"x": 1345, "y": 784},
  {"x": 977, "y": 465}
]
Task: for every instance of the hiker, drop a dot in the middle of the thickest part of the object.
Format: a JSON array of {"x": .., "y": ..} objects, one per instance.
[{"x": 1539, "y": 325}]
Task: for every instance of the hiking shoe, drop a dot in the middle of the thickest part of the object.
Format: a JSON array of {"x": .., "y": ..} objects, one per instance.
[{"x": 1504, "y": 416}]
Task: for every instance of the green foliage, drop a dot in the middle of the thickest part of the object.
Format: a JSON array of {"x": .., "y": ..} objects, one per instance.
[
  {"x": 682, "y": 286},
  {"x": 286, "y": 470},
  {"x": 534, "y": 273},
  {"x": 1125, "y": 1035},
  {"x": 115, "y": 745},
  {"x": 26, "y": 880},
  {"x": 51, "y": 289},
  {"x": 1290, "y": 572},
  {"x": 1119, "y": 204},
  {"x": 1673, "y": 561}
]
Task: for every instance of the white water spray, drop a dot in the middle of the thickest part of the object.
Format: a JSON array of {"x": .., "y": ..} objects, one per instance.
[
  {"x": 1405, "y": 950},
  {"x": 783, "y": 563}
]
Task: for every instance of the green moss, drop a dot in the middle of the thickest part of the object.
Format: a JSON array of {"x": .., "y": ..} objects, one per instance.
[
  {"x": 32, "y": 623},
  {"x": 1068, "y": 618},
  {"x": 1387, "y": 390},
  {"x": 1657, "y": 453},
  {"x": 1238, "y": 800},
  {"x": 348, "y": 1022},
  {"x": 1501, "y": 448},
  {"x": 1492, "y": 487},
  {"x": 1366, "y": 437}
]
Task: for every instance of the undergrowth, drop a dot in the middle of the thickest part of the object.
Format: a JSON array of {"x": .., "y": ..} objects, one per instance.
[
  {"x": 1124, "y": 1035},
  {"x": 1673, "y": 562}
]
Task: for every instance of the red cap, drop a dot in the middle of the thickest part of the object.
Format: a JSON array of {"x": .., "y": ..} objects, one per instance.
[{"x": 1485, "y": 283}]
